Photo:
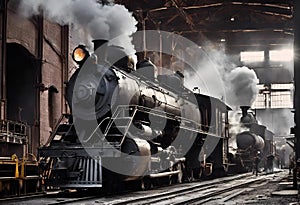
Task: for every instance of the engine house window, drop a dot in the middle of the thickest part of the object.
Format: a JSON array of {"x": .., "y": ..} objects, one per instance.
[
  {"x": 284, "y": 55},
  {"x": 252, "y": 56},
  {"x": 274, "y": 96}
]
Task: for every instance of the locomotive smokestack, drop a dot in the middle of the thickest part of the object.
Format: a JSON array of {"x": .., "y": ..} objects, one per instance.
[
  {"x": 100, "y": 49},
  {"x": 244, "y": 110}
]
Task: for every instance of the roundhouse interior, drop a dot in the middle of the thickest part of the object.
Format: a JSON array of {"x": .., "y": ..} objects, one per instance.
[{"x": 35, "y": 65}]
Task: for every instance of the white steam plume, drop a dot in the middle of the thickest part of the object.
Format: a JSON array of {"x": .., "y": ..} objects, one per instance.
[
  {"x": 278, "y": 120},
  {"x": 241, "y": 86},
  {"x": 239, "y": 83},
  {"x": 235, "y": 128},
  {"x": 97, "y": 21},
  {"x": 208, "y": 68}
]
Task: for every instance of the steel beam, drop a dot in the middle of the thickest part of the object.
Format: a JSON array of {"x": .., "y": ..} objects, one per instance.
[
  {"x": 297, "y": 88},
  {"x": 3, "y": 33}
]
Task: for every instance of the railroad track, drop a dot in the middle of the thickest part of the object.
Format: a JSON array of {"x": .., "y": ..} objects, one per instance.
[
  {"x": 48, "y": 198},
  {"x": 196, "y": 193},
  {"x": 189, "y": 193},
  {"x": 10, "y": 199}
]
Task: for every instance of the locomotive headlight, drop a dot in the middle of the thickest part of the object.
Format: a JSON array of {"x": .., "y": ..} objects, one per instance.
[{"x": 80, "y": 54}]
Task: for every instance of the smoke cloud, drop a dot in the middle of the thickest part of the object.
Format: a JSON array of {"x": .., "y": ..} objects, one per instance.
[
  {"x": 278, "y": 121},
  {"x": 237, "y": 85},
  {"x": 208, "y": 71},
  {"x": 241, "y": 86},
  {"x": 95, "y": 20}
]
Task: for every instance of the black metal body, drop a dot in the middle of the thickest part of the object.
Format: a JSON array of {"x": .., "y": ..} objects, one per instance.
[{"x": 145, "y": 126}]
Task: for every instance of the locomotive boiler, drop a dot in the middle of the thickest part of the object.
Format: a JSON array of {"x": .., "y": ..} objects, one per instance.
[
  {"x": 253, "y": 138},
  {"x": 246, "y": 140},
  {"x": 126, "y": 125}
]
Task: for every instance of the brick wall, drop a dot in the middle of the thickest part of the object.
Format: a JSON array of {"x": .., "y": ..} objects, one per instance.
[
  {"x": 25, "y": 32},
  {"x": 52, "y": 75}
]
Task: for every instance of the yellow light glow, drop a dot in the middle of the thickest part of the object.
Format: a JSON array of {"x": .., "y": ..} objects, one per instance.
[{"x": 79, "y": 54}]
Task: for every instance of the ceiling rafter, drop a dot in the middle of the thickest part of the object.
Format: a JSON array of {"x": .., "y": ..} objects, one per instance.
[
  {"x": 284, "y": 8},
  {"x": 183, "y": 14},
  {"x": 215, "y": 19},
  {"x": 228, "y": 27},
  {"x": 286, "y": 13}
]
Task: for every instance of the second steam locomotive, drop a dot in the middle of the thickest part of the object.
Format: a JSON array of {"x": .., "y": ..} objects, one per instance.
[{"x": 255, "y": 145}]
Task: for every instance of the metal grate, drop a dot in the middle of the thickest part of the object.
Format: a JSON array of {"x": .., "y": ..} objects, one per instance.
[{"x": 13, "y": 132}]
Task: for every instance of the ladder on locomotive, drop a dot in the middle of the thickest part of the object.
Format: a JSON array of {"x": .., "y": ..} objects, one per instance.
[{"x": 118, "y": 126}]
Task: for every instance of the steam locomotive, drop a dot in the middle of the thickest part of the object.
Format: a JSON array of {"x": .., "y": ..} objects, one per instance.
[
  {"x": 256, "y": 144},
  {"x": 128, "y": 125}
]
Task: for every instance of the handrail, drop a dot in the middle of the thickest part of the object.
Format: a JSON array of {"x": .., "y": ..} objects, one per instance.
[
  {"x": 92, "y": 134},
  {"x": 52, "y": 135},
  {"x": 13, "y": 132},
  {"x": 115, "y": 115},
  {"x": 12, "y": 127},
  {"x": 195, "y": 128},
  {"x": 128, "y": 125},
  {"x": 119, "y": 113}
]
